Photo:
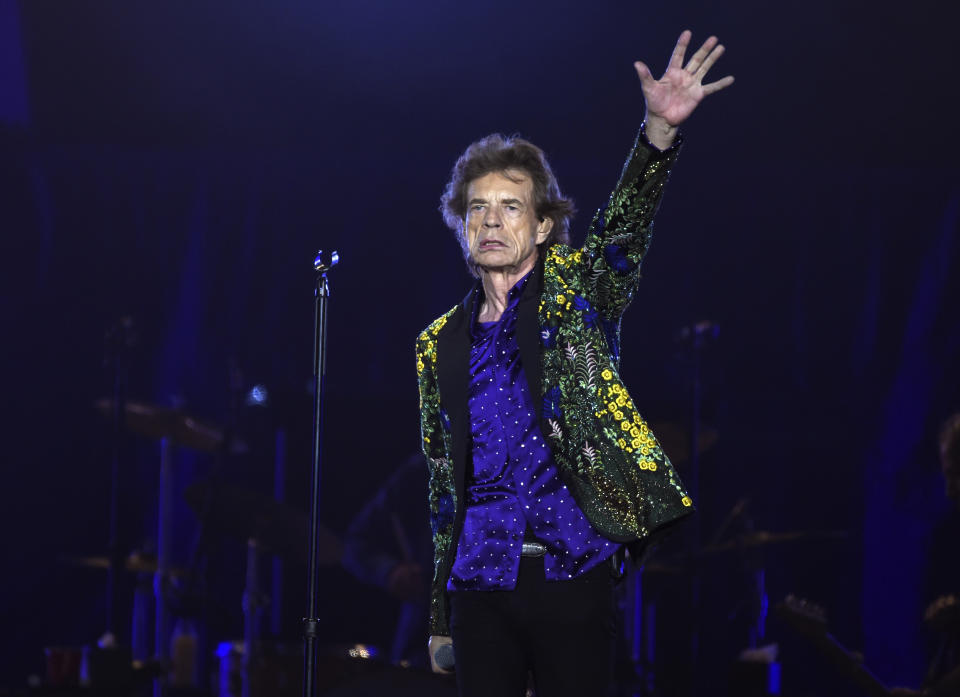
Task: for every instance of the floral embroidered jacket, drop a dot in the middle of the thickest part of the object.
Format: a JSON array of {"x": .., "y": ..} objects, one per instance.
[{"x": 568, "y": 332}]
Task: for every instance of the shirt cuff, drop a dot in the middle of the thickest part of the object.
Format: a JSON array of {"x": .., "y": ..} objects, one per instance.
[{"x": 675, "y": 145}]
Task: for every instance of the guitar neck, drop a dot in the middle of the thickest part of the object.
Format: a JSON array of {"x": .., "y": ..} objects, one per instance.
[
  {"x": 850, "y": 666},
  {"x": 809, "y": 621}
]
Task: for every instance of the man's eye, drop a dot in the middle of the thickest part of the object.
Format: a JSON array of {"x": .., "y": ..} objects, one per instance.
[{"x": 512, "y": 208}]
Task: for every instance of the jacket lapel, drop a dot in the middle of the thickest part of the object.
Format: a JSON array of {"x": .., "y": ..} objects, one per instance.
[
  {"x": 453, "y": 365},
  {"x": 528, "y": 336},
  {"x": 453, "y": 377}
]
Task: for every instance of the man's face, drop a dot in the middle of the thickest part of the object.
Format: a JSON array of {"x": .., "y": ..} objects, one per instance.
[{"x": 502, "y": 228}]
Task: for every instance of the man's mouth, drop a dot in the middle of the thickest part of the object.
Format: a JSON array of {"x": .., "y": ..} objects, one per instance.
[{"x": 491, "y": 244}]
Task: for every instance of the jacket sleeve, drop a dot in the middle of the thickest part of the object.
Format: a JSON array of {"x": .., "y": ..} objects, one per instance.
[
  {"x": 620, "y": 233},
  {"x": 434, "y": 433}
]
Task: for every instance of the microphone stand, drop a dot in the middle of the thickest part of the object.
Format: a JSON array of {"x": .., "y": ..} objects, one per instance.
[{"x": 311, "y": 621}]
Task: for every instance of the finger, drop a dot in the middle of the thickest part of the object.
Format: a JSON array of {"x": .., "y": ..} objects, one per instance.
[
  {"x": 676, "y": 58},
  {"x": 643, "y": 72},
  {"x": 697, "y": 58},
  {"x": 709, "y": 61},
  {"x": 718, "y": 85}
]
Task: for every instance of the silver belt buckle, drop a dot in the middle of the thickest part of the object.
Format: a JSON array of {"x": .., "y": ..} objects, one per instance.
[{"x": 533, "y": 549}]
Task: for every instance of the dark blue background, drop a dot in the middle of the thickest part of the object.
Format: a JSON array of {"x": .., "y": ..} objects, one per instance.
[{"x": 181, "y": 162}]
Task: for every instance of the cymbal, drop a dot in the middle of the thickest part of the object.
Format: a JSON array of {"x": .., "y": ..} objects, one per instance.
[
  {"x": 163, "y": 422},
  {"x": 134, "y": 563},
  {"x": 278, "y": 528}
]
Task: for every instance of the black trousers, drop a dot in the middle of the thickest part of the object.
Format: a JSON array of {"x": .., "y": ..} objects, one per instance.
[{"x": 562, "y": 631}]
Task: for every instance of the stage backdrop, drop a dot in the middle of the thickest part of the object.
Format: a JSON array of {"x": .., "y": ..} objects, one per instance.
[{"x": 181, "y": 164}]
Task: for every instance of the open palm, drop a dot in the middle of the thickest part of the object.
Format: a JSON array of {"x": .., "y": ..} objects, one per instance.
[{"x": 674, "y": 96}]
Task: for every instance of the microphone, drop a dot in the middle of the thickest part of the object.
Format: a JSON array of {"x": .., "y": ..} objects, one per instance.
[{"x": 444, "y": 657}]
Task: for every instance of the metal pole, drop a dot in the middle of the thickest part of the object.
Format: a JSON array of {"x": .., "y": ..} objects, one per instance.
[
  {"x": 251, "y": 618},
  {"x": 699, "y": 333},
  {"x": 311, "y": 621},
  {"x": 118, "y": 340},
  {"x": 161, "y": 579},
  {"x": 279, "y": 494}
]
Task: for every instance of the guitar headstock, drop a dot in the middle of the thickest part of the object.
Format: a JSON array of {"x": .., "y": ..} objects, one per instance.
[
  {"x": 803, "y": 615},
  {"x": 943, "y": 613}
]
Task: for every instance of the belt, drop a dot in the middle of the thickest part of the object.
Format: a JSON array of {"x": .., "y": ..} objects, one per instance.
[{"x": 533, "y": 549}]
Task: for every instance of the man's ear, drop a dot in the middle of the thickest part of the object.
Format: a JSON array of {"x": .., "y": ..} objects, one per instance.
[{"x": 543, "y": 229}]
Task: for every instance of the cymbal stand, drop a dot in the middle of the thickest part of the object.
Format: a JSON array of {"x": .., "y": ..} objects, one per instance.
[
  {"x": 279, "y": 494},
  {"x": 118, "y": 340},
  {"x": 161, "y": 580},
  {"x": 252, "y": 609},
  {"x": 753, "y": 561},
  {"x": 699, "y": 333},
  {"x": 311, "y": 622}
]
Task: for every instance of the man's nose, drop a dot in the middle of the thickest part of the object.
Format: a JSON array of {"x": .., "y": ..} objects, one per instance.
[{"x": 491, "y": 218}]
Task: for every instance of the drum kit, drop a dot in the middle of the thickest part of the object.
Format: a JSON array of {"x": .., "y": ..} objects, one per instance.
[
  {"x": 248, "y": 667},
  {"x": 254, "y": 667}
]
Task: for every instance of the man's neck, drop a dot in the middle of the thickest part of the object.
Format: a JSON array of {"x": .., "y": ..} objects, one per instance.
[{"x": 496, "y": 287}]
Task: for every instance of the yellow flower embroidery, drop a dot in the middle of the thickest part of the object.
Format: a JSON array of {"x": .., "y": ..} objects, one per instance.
[
  {"x": 439, "y": 324},
  {"x": 618, "y": 415},
  {"x": 606, "y": 374},
  {"x": 612, "y": 407},
  {"x": 621, "y": 400},
  {"x": 625, "y": 425},
  {"x": 686, "y": 501},
  {"x": 653, "y": 466}
]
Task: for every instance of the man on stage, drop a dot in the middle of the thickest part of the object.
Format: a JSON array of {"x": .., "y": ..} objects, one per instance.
[{"x": 541, "y": 467}]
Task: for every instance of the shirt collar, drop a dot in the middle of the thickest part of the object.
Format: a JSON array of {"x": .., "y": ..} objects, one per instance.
[{"x": 513, "y": 297}]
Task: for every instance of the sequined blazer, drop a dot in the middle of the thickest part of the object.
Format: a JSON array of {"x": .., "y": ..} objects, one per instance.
[{"x": 568, "y": 332}]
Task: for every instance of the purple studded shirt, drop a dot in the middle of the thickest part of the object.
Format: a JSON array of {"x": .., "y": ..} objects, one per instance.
[{"x": 515, "y": 482}]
